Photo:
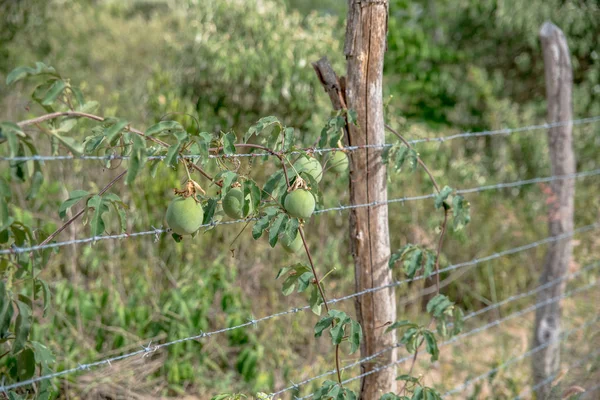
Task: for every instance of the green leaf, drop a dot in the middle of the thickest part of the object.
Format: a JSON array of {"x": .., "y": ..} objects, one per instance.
[
  {"x": 74, "y": 197},
  {"x": 252, "y": 193},
  {"x": 356, "y": 336},
  {"x": 442, "y": 196},
  {"x": 431, "y": 345},
  {"x": 36, "y": 183},
  {"x": 439, "y": 305},
  {"x": 418, "y": 394},
  {"x": 172, "y": 153},
  {"x": 260, "y": 226},
  {"x": 25, "y": 364},
  {"x": 21, "y": 72},
  {"x": 229, "y": 140},
  {"x": 43, "y": 355},
  {"x": 111, "y": 132},
  {"x": 401, "y": 324},
  {"x": 5, "y": 218},
  {"x": 323, "y": 324},
  {"x": 272, "y": 183},
  {"x": 70, "y": 143},
  {"x": 138, "y": 158},
  {"x": 413, "y": 264},
  {"x": 304, "y": 281},
  {"x": 97, "y": 223},
  {"x": 46, "y": 294},
  {"x": 164, "y": 127},
  {"x": 22, "y": 327},
  {"x": 288, "y": 138},
  {"x": 289, "y": 285},
  {"x": 228, "y": 178},
  {"x": 209, "y": 210},
  {"x": 429, "y": 263},
  {"x": 6, "y": 311},
  {"x": 461, "y": 212},
  {"x": 315, "y": 300},
  {"x": 277, "y": 227},
  {"x": 55, "y": 90}
]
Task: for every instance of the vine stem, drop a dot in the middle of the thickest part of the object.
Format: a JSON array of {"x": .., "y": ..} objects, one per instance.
[
  {"x": 319, "y": 286},
  {"x": 440, "y": 241},
  {"x": 80, "y": 213}
]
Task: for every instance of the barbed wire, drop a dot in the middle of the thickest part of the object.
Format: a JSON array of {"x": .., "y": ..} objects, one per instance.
[
  {"x": 473, "y": 331},
  {"x": 150, "y": 349},
  {"x": 584, "y": 269},
  {"x": 551, "y": 377},
  {"x": 440, "y": 139},
  {"x": 563, "y": 336},
  {"x": 157, "y": 231}
]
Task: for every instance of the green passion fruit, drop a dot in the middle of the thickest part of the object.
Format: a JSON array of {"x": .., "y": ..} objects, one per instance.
[
  {"x": 339, "y": 162},
  {"x": 184, "y": 215},
  {"x": 233, "y": 203},
  {"x": 300, "y": 203},
  {"x": 289, "y": 245},
  {"x": 311, "y": 166}
]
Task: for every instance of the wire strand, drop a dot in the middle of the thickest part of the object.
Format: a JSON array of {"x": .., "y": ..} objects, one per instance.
[
  {"x": 157, "y": 232},
  {"x": 563, "y": 336},
  {"x": 440, "y": 139},
  {"x": 474, "y": 331},
  {"x": 584, "y": 269},
  {"x": 150, "y": 349},
  {"x": 550, "y": 378}
]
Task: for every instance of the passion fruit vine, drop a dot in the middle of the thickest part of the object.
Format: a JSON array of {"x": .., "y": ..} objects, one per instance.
[
  {"x": 233, "y": 203},
  {"x": 311, "y": 166},
  {"x": 300, "y": 203},
  {"x": 184, "y": 215}
]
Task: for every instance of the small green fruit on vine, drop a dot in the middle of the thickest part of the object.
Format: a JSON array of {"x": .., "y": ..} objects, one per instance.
[
  {"x": 289, "y": 245},
  {"x": 311, "y": 166},
  {"x": 233, "y": 203},
  {"x": 339, "y": 162},
  {"x": 300, "y": 203},
  {"x": 184, "y": 215}
]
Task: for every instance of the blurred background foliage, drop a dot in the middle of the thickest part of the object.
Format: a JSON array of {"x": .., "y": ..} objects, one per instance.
[{"x": 450, "y": 66}]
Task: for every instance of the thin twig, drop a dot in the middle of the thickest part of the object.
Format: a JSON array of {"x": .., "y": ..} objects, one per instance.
[
  {"x": 421, "y": 163},
  {"x": 318, "y": 283},
  {"x": 80, "y": 213}
]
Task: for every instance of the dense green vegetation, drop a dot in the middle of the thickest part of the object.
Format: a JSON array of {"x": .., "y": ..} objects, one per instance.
[{"x": 451, "y": 66}]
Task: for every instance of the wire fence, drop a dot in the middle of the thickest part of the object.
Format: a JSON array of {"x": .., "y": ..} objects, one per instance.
[
  {"x": 491, "y": 307},
  {"x": 158, "y": 231},
  {"x": 440, "y": 139},
  {"x": 471, "y": 332},
  {"x": 552, "y": 377}
]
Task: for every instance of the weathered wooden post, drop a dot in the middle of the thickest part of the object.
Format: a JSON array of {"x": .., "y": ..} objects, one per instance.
[
  {"x": 559, "y": 80},
  {"x": 369, "y": 235},
  {"x": 364, "y": 48}
]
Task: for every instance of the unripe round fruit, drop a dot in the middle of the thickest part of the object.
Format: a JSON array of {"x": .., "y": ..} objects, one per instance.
[
  {"x": 184, "y": 216},
  {"x": 339, "y": 162},
  {"x": 291, "y": 246},
  {"x": 300, "y": 203},
  {"x": 311, "y": 166},
  {"x": 233, "y": 203}
]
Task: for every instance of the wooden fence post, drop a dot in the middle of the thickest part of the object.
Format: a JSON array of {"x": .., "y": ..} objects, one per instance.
[
  {"x": 559, "y": 81},
  {"x": 365, "y": 45}
]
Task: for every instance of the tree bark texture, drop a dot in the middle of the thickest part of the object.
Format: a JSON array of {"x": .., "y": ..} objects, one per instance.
[
  {"x": 559, "y": 80},
  {"x": 364, "y": 49}
]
